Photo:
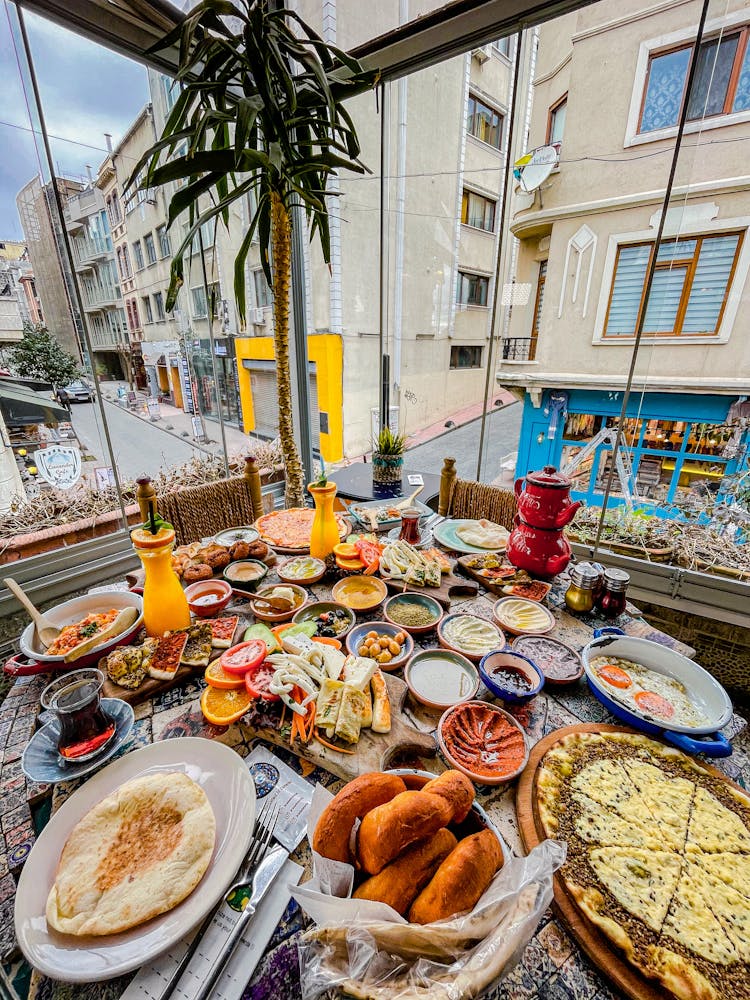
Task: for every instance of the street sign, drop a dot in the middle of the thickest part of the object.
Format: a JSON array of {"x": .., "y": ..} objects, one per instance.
[
  {"x": 104, "y": 477},
  {"x": 152, "y": 406}
]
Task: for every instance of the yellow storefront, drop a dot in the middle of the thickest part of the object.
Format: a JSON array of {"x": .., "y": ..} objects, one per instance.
[{"x": 256, "y": 373}]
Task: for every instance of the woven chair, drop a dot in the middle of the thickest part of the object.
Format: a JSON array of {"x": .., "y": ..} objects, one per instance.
[
  {"x": 470, "y": 499},
  {"x": 200, "y": 511}
]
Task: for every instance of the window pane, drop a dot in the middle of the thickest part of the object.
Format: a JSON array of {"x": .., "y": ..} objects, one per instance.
[
  {"x": 710, "y": 284},
  {"x": 742, "y": 93},
  {"x": 664, "y": 300},
  {"x": 557, "y": 122},
  {"x": 666, "y": 82},
  {"x": 715, "y": 61},
  {"x": 627, "y": 290}
]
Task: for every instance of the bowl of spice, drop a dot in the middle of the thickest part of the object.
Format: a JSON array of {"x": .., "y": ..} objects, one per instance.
[
  {"x": 511, "y": 676},
  {"x": 414, "y": 613},
  {"x": 559, "y": 663},
  {"x": 483, "y": 741}
]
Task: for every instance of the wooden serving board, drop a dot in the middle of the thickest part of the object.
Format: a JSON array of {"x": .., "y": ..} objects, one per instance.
[
  {"x": 599, "y": 949},
  {"x": 494, "y": 586},
  {"x": 373, "y": 752},
  {"x": 450, "y": 586}
]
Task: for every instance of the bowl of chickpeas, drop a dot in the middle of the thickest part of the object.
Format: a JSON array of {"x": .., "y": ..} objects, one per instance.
[{"x": 389, "y": 645}]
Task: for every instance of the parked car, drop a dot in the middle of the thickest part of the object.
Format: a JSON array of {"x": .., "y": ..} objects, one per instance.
[{"x": 80, "y": 392}]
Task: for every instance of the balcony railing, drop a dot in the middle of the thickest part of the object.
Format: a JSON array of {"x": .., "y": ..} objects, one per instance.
[
  {"x": 90, "y": 249},
  {"x": 108, "y": 340},
  {"x": 99, "y": 296},
  {"x": 519, "y": 349}
]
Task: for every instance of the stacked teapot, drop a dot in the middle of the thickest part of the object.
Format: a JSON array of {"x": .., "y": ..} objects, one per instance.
[{"x": 537, "y": 543}]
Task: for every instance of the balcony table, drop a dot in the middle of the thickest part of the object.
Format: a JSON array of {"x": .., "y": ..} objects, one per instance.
[
  {"x": 552, "y": 966},
  {"x": 355, "y": 483}
]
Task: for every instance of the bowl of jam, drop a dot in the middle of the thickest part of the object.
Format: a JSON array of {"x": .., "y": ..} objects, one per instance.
[
  {"x": 510, "y": 676},
  {"x": 208, "y": 597}
]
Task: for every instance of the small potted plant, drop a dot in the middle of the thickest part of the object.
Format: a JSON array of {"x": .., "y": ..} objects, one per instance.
[{"x": 388, "y": 457}]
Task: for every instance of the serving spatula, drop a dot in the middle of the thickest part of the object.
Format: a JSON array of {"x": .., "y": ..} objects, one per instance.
[{"x": 45, "y": 630}]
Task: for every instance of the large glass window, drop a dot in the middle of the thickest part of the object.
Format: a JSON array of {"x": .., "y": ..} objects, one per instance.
[
  {"x": 484, "y": 122},
  {"x": 478, "y": 211},
  {"x": 556, "y": 125},
  {"x": 472, "y": 289}
]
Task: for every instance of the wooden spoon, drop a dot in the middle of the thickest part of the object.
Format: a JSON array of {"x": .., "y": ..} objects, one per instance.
[
  {"x": 45, "y": 630},
  {"x": 403, "y": 504},
  {"x": 276, "y": 603}
]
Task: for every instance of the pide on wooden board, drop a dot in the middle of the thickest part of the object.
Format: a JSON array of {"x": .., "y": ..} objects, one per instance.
[{"x": 658, "y": 859}]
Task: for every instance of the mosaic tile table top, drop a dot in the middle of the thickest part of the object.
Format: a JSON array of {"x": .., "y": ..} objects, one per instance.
[{"x": 552, "y": 967}]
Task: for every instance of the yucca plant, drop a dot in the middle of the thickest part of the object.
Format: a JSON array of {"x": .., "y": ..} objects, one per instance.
[
  {"x": 261, "y": 109},
  {"x": 390, "y": 443}
]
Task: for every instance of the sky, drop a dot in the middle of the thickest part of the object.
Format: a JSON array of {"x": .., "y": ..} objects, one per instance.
[{"x": 86, "y": 90}]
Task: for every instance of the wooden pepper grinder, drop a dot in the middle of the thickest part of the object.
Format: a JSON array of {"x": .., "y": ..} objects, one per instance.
[
  {"x": 252, "y": 477},
  {"x": 145, "y": 494},
  {"x": 447, "y": 479}
]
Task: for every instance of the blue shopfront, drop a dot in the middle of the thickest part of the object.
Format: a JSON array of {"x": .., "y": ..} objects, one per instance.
[{"x": 678, "y": 447}]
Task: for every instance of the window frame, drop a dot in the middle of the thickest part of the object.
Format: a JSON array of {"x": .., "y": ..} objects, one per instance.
[
  {"x": 536, "y": 316},
  {"x": 165, "y": 246},
  {"x": 474, "y": 96},
  {"x": 460, "y": 274},
  {"x": 737, "y": 273},
  {"x": 148, "y": 311},
  {"x": 140, "y": 261},
  {"x": 466, "y": 193},
  {"x": 551, "y": 111},
  {"x": 149, "y": 244},
  {"x": 465, "y": 347},
  {"x": 161, "y": 315}
]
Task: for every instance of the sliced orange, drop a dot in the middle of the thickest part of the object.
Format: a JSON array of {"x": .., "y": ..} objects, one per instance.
[
  {"x": 218, "y": 677},
  {"x": 349, "y": 564},
  {"x": 222, "y": 707},
  {"x": 143, "y": 539},
  {"x": 345, "y": 550}
]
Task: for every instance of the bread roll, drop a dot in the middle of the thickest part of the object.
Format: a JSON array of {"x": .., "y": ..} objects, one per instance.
[
  {"x": 460, "y": 880},
  {"x": 457, "y": 789},
  {"x": 402, "y": 880},
  {"x": 355, "y": 799},
  {"x": 388, "y": 829}
]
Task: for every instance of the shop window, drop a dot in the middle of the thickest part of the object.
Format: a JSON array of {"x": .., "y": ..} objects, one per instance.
[
  {"x": 556, "y": 121},
  {"x": 466, "y": 357},
  {"x": 472, "y": 289},
  {"x": 722, "y": 82},
  {"x": 138, "y": 254},
  {"x": 484, "y": 123},
  {"x": 147, "y": 311},
  {"x": 478, "y": 211},
  {"x": 148, "y": 240},
  {"x": 263, "y": 296},
  {"x": 690, "y": 288},
  {"x": 159, "y": 306},
  {"x": 165, "y": 248}
]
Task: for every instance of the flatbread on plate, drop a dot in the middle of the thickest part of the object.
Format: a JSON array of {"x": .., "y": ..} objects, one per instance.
[{"x": 138, "y": 853}]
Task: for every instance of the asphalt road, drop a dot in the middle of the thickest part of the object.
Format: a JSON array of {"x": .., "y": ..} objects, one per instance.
[{"x": 139, "y": 447}]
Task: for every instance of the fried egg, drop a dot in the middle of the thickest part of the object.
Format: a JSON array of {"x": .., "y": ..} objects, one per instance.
[{"x": 658, "y": 697}]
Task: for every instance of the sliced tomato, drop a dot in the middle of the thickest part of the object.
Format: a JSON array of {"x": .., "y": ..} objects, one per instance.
[
  {"x": 654, "y": 704},
  {"x": 258, "y": 680},
  {"x": 615, "y": 675},
  {"x": 240, "y": 659},
  {"x": 369, "y": 553}
]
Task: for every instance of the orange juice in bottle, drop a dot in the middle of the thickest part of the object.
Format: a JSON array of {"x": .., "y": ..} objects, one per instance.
[
  {"x": 325, "y": 529},
  {"x": 165, "y": 606}
]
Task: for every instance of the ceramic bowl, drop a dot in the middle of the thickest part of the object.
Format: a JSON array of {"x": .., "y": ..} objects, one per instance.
[
  {"x": 453, "y": 644},
  {"x": 358, "y": 633},
  {"x": 318, "y": 574},
  {"x": 544, "y": 658},
  {"x": 245, "y": 586},
  {"x": 317, "y": 608},
  {"x": 452, "y": 679},
  {"x": 242, "y": 533},
  {"x": 444, "y": 745},
  {"x": 433, "y": 606},
  {"x": 510, "y": 659},
  {"x": 497, "y": 612},
  {"x": 202, "y": 590},
  {"x": 360, "y": 593},
  {"x": 266, "y": 614}
]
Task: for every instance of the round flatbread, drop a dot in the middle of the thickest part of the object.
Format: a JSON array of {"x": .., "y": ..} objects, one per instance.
[{"x": 136, "y": 854}]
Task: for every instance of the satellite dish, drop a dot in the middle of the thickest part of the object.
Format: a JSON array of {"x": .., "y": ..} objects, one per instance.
[{"x": 533, "y": 169}]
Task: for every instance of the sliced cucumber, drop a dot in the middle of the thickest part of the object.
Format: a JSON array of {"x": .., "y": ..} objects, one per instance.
[{"x": 261, "y": 631}]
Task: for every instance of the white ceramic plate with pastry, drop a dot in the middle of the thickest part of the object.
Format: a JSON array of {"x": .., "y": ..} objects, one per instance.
[{"x": 224, "y": 778}]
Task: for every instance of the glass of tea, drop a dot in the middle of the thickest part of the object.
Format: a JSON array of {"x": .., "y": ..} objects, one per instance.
[
  {"x": 75, "y": 699},
  {"x": 410, "y": 525}
]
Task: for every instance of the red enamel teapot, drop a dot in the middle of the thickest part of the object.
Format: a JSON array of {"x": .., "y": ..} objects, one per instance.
[
  {"x": 546, "y": 503},
  {"x": 543, "y": 552}
]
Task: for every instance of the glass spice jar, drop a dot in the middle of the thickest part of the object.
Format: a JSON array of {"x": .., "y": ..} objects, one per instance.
[
  {"x": 612, "y": 602},
  {"x": 579, "y": 597},
  {"x": 599, "y": 585}
]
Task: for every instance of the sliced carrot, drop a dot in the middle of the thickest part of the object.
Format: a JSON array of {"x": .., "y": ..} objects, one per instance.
[
  {"x": 327, "y": 641},
  {"x": 330, "y": 746},
  {"x": 283, "y": 716}
]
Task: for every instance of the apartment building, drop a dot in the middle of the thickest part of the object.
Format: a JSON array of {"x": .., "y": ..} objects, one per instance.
[
  {"x": 87, "y": 223},
  {"x": 585, "y": 244},
  {"x": 18, "y": 303},
  {"x": 42, "y": 228}
]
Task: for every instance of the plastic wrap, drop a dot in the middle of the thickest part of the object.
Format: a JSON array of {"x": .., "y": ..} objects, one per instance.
[{"x": 367, "y": 950}]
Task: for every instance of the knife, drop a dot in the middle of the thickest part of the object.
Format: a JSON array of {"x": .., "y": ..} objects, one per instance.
[{"x": 264, "y": 875}]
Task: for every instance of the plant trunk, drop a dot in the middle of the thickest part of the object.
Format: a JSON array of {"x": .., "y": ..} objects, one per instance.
[{"x": 281, "y": 248}]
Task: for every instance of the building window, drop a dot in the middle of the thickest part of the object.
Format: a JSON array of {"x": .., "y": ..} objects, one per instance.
[
  {"x": 148, "y": 239},
  {"x": 114, "y": 212},
  {"x": 484, "y": 122},
  {"x": 466, "y": 357},
  {"x": 537, "y": 309},
  {"x": 262, "y": 289},
  {"x": 689, "y": 291},
  {"x": 138, "y": 254},
  {"x": 147, "y": 311},
  {"x": 721, "y": 87},
  {"x": 503, "y": 46},
  {"x": 200, "y": 308},
  {"x": 134, "y": 319},
  {"x": 159, "y": 306},
  {"x": 472, "y": 289},
  {"x": 556, "y": 122},
  {"x": 478, "y": 211},
  {"x": 164, "y": 246}
]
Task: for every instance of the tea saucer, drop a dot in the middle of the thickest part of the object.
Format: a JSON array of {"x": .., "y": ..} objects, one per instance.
[
  {"x": 425, "y": 538},
  {"x": 41, "y": 761}
]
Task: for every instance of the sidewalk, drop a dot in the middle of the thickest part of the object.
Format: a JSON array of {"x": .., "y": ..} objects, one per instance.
[{"x": 459, "y": 418}]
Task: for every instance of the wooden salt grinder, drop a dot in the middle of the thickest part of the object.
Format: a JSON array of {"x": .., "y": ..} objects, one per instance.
[
  {"x": 145, "y": 494},
  {"x": 447, "y": 479},
  {"x": 252, "y": 477}
]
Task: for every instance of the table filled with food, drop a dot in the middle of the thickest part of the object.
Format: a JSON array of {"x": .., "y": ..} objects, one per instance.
[{"x": 373, "y": 753}]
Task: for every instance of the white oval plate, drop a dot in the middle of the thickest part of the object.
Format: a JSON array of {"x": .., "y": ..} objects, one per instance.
[{"x": 223, "y": 776}]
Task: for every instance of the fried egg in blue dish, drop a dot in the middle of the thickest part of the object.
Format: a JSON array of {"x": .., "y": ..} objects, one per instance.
[{"x": 656, "y": 696}]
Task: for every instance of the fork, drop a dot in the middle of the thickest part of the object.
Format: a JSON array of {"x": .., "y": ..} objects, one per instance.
[{"x": 264, "y": 826}]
